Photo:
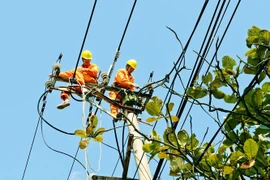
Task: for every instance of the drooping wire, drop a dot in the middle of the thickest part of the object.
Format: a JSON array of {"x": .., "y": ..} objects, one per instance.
[
  {"x": 41, "y": 115},
  {"x": 57, "y": 151}
]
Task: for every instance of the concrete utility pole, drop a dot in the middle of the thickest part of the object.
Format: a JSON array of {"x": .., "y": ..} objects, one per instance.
[{"x": 139, "y": 155}]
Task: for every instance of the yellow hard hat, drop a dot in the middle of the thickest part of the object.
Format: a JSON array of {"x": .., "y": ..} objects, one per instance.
[
  {"x": 86, "y": 55},
  {"x": 132, "y": 63}
]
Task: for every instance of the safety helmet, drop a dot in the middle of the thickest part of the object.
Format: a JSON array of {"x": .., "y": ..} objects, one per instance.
[
  {"x": 132, "y": 63},
  {"x": 86, "y": 55}
]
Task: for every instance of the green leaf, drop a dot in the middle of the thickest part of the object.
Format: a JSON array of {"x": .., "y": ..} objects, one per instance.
[
  {"x": 232, "y": 123},
  {"x": 162, "y": 155},
  {"x": 257, "y": 97},
  {"x": 244, "y": 136},
  {"x": 147, "y": 148},
  {"x": 174, "y": 118},
  {"x": 213, "y": 160},
  {"x": 235, "y": 156},
  {"x": 230, "y": 72},
  {"x": 228, "y": 62},
  {"x": 252, "y": 52},
  {"x": 157, "y": 100},
  {"x": 228, "y": 142},
  {"x": 170, "y": 137},
  {"x": 192, "y": 143},
  {"x": 250, "y": 148},
  {"x": 249, "y": 70},
  {"x": 81, "y": 133},
  {"x": 183, "y": 137},
  {"x": 218, "y": 93},
  {"x": 152, "y": 119},
  {"x": 98, "y": 138},
  {"x": 266, "y": 35},
  {"x": 89, "y": 130},
  {"x": 222, "y": 149},
  {"x": 230, "y": 98},
  {"x": 254, "y": 31},
  {"x": 83, "y": 144},
  {"x": 169, "y": 108},
  {"x": 266, "y": 87},
  {"x": 153, "y": 108},
  {"x": 100, "y": 131},
  {"x": 206, "y": 79},
  {"x": 175, "y": 166},
  {"x": 228, "y": 170},
  {"x": 262, "y": 129},
  {"x": 261, "y": 77},
  {"x": 250, "y": 40},
  {"x": 155, "y": 135},
  {"x": 266, "y": 99},
  {"x": 166, "y": 134},
  {"x": 93, "y": 121},
  {"x": 217, "y": 83},
  {"x": 253, "y": 60},
  {"x": 197, "y": 92}
]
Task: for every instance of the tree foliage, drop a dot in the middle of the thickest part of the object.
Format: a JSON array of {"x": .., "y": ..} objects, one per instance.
[{"x": 244, "y": 153}]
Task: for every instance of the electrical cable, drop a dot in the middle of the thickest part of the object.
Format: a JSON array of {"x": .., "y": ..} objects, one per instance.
[
  {"x": 85, "y": 35},
  {"x": 120, "y": 44},
  {"x": 57, "y": 151},
  {"x": 117, "y": 144},
  {"x": 199, "y": 63},
  {"x": 178, "y": 61},
  {"x": 225, "y": 32},
  {"x": 41, "y": 116},
  {"x": 73, "y": 162},
  {"x": 34, "y": 137}
]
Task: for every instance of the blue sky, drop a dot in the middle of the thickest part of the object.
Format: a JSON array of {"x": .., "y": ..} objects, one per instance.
[{"x": 34, "y": 33}]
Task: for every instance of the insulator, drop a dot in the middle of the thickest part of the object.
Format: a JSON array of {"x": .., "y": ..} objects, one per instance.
[
  {"x": 49, "y": 84},
  {"x": 104, "y": 75},
  {"x": 56, "y": 66}
]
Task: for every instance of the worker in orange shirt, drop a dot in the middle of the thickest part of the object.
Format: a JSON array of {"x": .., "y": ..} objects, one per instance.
[
  {"x": 123, "y": 79},
  {"x": 87, "y": 72}
]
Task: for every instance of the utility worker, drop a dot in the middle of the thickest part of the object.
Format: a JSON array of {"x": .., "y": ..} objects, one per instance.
[
  {"x": 123, "y": 79},
  {"x": 85, "y": 73}
]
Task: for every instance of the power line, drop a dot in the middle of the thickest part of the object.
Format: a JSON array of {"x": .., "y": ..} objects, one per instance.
[
  {"x": 196, "y": 72},
  {"x": 85, "y": 35}
]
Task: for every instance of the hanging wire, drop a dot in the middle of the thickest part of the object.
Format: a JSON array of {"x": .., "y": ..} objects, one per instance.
[
  {"x": 41, "y": 116},
  {"x": 57, "y": 151}
]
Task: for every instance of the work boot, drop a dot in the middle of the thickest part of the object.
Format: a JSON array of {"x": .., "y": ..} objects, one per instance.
[{"x": 64, "y": 104}]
